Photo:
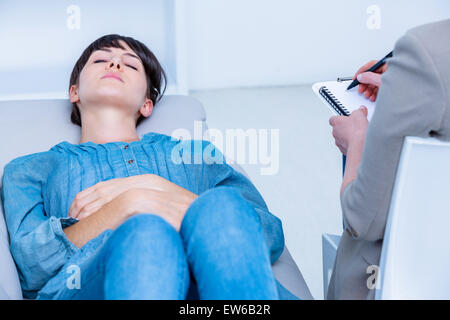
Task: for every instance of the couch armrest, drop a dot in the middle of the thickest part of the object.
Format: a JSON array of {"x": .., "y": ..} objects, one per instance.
[
  {"x": 330, "y": 243},
  {"x": 9, "y": 279}
]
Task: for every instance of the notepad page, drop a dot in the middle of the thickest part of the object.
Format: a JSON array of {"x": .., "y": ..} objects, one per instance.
[{"x": 351, "y": 99}]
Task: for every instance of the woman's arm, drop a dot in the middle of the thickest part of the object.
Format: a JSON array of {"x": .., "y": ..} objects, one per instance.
[
  {"x": 159, "y": 196},
  {"x": 354, "y": 155},
  {"x": 109, "y": 216},
  {"x": 349, "y": 133},
  {"x": 37, "y": 241},
  {"x": 401, "y": 111}
]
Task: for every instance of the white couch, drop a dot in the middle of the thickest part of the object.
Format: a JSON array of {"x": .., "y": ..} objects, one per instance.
[{"x": 37, "y": 125}]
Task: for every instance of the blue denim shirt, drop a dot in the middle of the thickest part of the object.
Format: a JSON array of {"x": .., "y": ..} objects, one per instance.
[{"x": 39, "y": 188}]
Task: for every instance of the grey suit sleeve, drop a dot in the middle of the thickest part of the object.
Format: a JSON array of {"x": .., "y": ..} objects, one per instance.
[{"x": 411, "y": 102}]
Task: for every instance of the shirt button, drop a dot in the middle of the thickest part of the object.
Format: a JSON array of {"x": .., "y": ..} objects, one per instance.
[
  {"x": 130, "y": 161},
  {"x": 348, "y": 232},
  {"x": 126, "y": 147},
  {"x": 352, "y": 232}
]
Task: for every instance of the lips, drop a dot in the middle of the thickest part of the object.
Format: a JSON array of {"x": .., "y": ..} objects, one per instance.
[{"x": 112, "y": 75}]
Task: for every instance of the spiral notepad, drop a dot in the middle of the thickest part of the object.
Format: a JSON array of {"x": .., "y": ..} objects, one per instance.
[{"x": 342, "y": 102}]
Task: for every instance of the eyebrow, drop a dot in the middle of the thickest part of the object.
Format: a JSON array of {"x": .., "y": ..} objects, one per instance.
[{"x": 125, "y": 54}]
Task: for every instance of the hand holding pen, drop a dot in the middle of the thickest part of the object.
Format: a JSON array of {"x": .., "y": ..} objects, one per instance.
[{"x": 369, "y": 77}]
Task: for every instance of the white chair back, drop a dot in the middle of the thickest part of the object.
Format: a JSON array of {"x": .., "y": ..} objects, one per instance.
[{"x": 415, "y": 259}]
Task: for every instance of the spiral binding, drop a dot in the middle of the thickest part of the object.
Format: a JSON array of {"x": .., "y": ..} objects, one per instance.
[{"x": 333, "y": 101}]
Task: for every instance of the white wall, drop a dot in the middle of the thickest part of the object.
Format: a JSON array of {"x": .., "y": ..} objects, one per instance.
[
  {"x": 229, "y": 43},
  {"x": 41, "y": 40},
  {"x": 234, "y": 43}
]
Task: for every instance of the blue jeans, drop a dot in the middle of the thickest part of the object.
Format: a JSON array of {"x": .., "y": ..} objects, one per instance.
[{"x": 219, "y": 253}]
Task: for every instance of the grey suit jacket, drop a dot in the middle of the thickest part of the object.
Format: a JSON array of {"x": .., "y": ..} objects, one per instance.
[{"x": 413, "y": 100}]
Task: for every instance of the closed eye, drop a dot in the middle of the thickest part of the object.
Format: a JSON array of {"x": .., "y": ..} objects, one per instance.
[
  {"x": 131, "y": 67},
  {"x": 98, "y": 61}
]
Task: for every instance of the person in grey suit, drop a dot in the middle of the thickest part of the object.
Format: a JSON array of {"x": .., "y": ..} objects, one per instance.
[{"x": 413, "y": 100}]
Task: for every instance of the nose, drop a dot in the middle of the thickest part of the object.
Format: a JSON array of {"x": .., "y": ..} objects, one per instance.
[{"x": 114, "y": 63}]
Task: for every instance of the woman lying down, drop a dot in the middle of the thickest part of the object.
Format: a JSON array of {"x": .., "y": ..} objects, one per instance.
[{"x": 118, "y": 213}]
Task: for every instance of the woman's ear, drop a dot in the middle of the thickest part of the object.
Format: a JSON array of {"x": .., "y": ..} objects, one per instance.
[
  {"x": 147, "y": 108},
  {"x": 73, "y": 94}
]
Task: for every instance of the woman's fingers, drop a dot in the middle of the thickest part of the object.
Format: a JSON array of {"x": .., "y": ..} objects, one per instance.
[
  {"x": 373, "y": 97},
  {"x": 369, "y": 82},
  {"x": 332, "y": 120},
  {"x": 362, "y": 87},
  {"x": 382, "y": 69},
  {"x": 88, "y": 192},
  {"x": 368, "y": 65},
  {"x": 91, "y": 189},
  {"x": 364, "y": 110},
  {"x": 370, "y": 78},
  {"x": 108, "y": 189},
  {"x": 80, "y": 195},
  {"x": 78, "y": 204},
  {"x": 368, "y": 93},
  {"x": 90, "y": 208}
]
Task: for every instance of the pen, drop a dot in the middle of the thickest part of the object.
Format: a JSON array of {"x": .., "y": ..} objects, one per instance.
[
  {"x": 341, "y": 79},
  {"x": 372, "y": 69}
]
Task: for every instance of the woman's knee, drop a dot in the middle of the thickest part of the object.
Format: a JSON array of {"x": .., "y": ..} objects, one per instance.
[
  {"x": 144, "y": 230},
  {"x": 147, "y": 254},
  {"x": 224, "y": 201},
  {"x": 220, "y": 209}
]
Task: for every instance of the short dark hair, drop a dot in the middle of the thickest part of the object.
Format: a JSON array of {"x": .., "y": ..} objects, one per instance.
[{"x": 156, "y": 77}]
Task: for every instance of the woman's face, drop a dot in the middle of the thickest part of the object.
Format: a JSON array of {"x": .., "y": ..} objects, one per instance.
[{"x": 112, "y": 77}]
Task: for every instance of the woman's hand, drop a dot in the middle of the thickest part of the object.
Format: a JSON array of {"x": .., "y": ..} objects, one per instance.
[
  {"x": 93, "y": 198},
  {"x": 169, "y": 205},
  {"x": 351, "y": 130},
  {"x": 369, "y": 81}
]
